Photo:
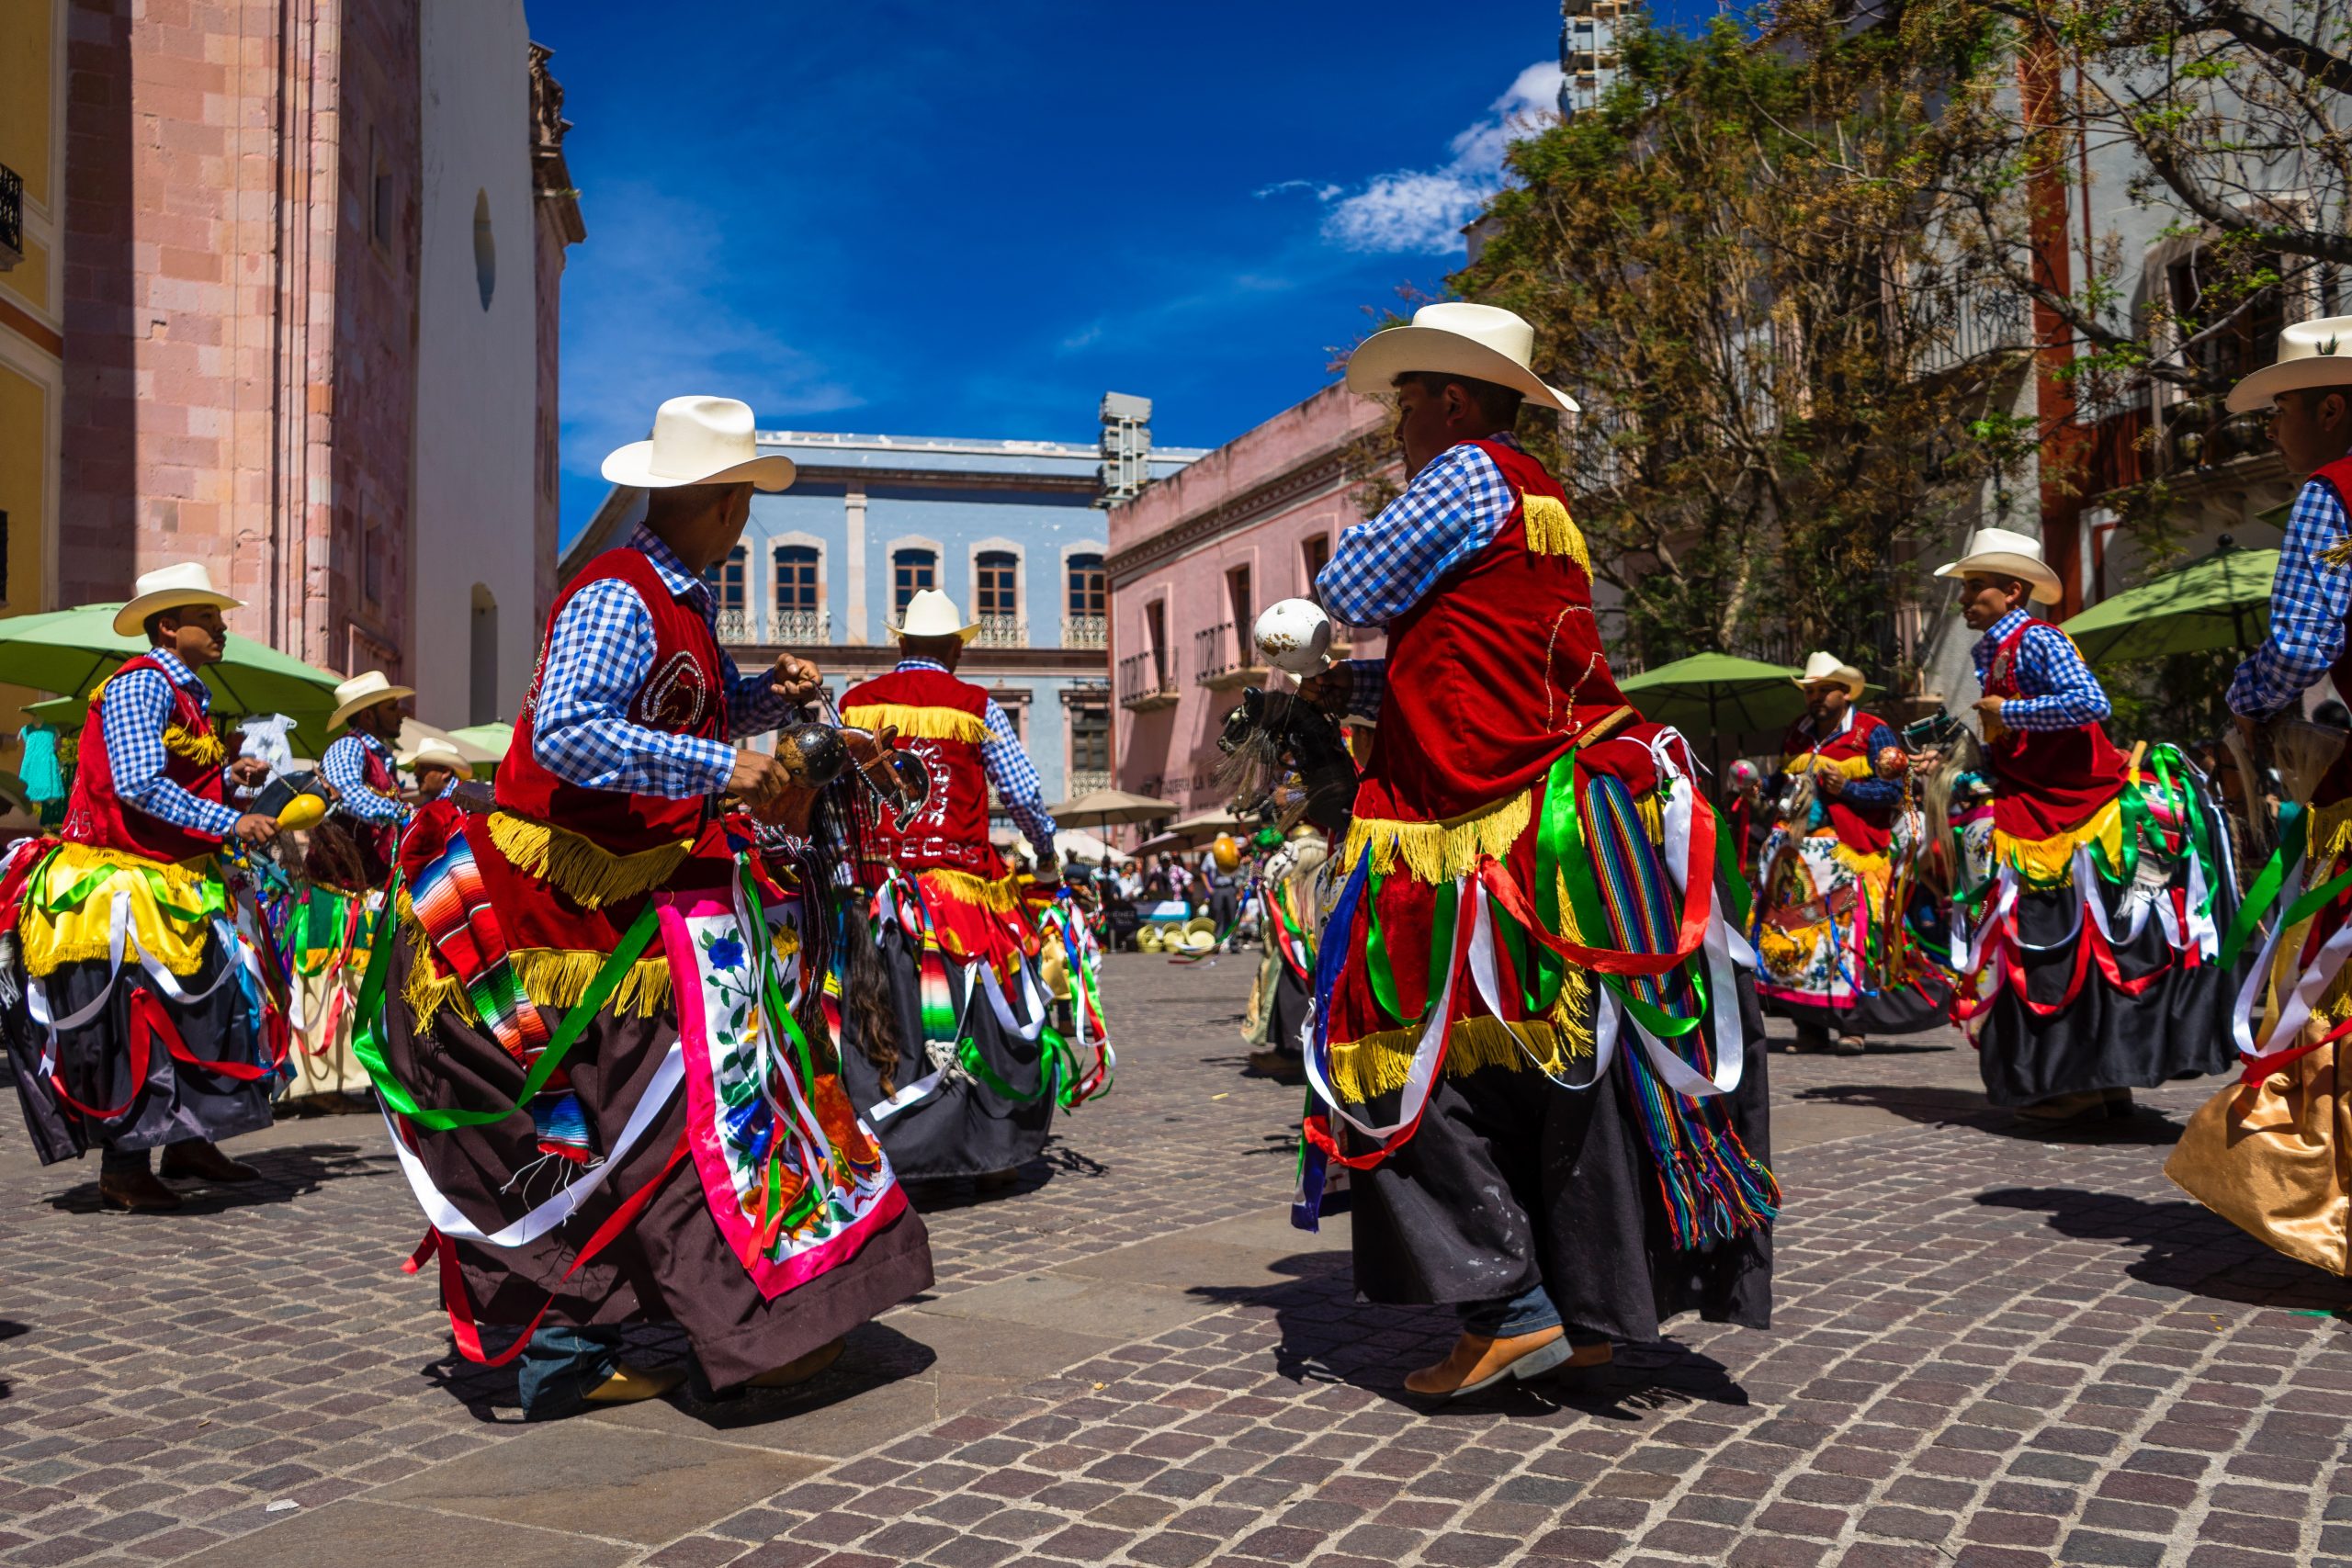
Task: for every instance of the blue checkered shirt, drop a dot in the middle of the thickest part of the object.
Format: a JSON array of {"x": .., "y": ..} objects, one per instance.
[
  {"x": 345, "y": 767},
  {"x": 1384, "y": 567},
  {"x": 134, "y": 710},
  {"x": 2060, "y": 691},
  {"x": 1870, "y": 789},
  {"x": 1009, "y": 769},
  {"x": 2309, "y": 599},
  {"x": 600, "y": 652}
]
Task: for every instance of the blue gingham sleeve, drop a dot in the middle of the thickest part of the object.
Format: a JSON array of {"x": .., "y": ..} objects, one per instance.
[
  {"x": 2062, "y": 694},
  {"x": 2309, "y": 599},
  {"x": 1015, "y": 778},
  {"x": 134, "y": 710},
  {"x": 1872, "y": 790},
  {"x": 1384, "y": 567},
  {"x": 600, "y": 651},
  {"x": 753, "y": 706},
  {"x": 346, "y": 765}
]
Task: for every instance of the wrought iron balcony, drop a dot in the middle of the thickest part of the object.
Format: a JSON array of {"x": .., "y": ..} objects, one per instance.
[
  {"x": 1085, "y": 631},
  {"x": 801, "y": 628},
  {"x": 1002, "y": 631},
  {"x": 738, "y": 625},
  {"x": 1217, "y": 663},
  {"x": 12, "y": 218},
  {"x": 1086, "y": 781},
  {"x": 1145, "y": 682}
]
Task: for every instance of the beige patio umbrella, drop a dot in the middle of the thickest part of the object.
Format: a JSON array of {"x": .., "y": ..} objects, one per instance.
[{"x": 1113, "y": 807}]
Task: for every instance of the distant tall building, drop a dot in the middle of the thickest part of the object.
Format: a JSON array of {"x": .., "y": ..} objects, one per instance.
[{"x": 1589, "y": 32}]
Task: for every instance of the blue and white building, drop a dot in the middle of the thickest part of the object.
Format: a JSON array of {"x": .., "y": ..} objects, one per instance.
[{"x": 1011, "y": 530}]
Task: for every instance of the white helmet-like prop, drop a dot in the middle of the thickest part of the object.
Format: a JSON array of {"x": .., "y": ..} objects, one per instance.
[{"x": 1295, "y": 636}]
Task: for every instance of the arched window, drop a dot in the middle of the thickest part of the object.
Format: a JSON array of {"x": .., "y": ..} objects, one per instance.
[
  {"x": 1087, "y": 591},
  {"x": 997, "y": 573},
  {"x": 911, "y": 571},
  {"x": 795, "y": 579}
]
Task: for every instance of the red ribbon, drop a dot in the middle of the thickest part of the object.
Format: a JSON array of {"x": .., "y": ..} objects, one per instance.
[
  {"x": 1698, "y": 904},
  {"x": 149, "y": 1018},
  {"x": 465, "y": 1330}
]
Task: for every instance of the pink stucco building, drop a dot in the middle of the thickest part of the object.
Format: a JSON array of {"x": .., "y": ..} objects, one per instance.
[{"x": 1195, "y": 557}]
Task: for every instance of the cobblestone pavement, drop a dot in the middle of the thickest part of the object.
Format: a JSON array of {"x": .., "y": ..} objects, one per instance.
[{"x": 1987, "y": 1349}]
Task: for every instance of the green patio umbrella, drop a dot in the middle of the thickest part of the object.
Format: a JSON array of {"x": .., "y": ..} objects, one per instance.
[
  {"x": 484, "y": 742},
  {"x": 72, "y": 651},
  {"x": 1710, "y": 694},
  {"x": 2223, "y": 601}
]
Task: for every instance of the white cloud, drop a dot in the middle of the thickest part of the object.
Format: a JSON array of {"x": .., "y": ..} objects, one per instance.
[
  {"x": 1424, "y": 209},
  {"x": 1320, "y": 192}
]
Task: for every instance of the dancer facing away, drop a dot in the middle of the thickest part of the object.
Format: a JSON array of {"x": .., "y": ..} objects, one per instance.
[
  {"x": 1532, "y": 1045},
  {"x": 2089, "y": 970},
  {"x": 158, "y": 1045},
  {"x": 957, "y": 947},
  {"x": 2271, "y": 1153},
  {"x": 589, "y": 992},
  {"x": 1830, "y": 947}
]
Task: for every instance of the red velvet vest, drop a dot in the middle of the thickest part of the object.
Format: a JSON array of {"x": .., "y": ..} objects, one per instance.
[
  {"x": 953, "y": 830},
  {"x": 685, "y": 695},
  {"x": 95, "y": 815},
  {"x": 2045, "y": 781},
  {"x": 1865, "y": 828},
  {"x": 1494, "y": 674},
  {"x": 377, "y": 841}
]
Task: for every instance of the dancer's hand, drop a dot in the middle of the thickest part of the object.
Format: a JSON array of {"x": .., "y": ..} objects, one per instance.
[
  {"x": 251, "y": 772},
  {"x": 757, "y": 778},
  {"x": 1328, "y": 690},
  {"x": 1989, "y": 708},
  {"x": 254, "y": 827},
  {"x": 794, "y": 680},
  {"x": 1829, "y": 780}
]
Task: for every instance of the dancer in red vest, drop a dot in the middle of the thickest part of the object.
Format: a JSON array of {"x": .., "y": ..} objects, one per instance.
[
  {"x": 1535, "y": 1045},
  {"x": 159, "y": 1043},
  {"x": 1833, "y": 882},
  {"x": 971, "y": 1089},
  {"x": 347, "y": 857},
  {"x": 613, "y": 1074},
  {"x": 2272, "y": 1152},
  {"x": 2088, "y": 964}
]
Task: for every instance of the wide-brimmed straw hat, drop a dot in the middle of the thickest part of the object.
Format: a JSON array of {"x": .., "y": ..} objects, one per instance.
[
  {"x": 2311, "y": 353},
  {"x": 2003, "y": 552},
  {"x": 1820, "y": 669},
  {"x": 1483, "y": 342},
  {"x": 169, "y": 588},
  {"x": 435, "y": 752},
  {"x": 932, "y": 613},
  {"x": 699, "y": 441},
  {"x": 364, "y": 692}
]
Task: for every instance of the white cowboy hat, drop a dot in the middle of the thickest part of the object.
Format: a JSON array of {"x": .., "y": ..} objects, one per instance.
[
  {"x": 2001, "y": 552},
  {"x": 168, "y": 588},
  {"x": 932, "y": 613},
  {"x": 1822, "y": 667},
  {"x": 2311, "y": 353},
  {"x": 435, "y": 752},
  {"x": 1483, "y": 342},
  {"x": 699, "y": 441},
  {"x": 364, "y": 692}
]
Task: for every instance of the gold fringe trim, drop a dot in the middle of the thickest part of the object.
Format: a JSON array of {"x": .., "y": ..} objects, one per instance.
[
  {"x": 203, "y": 751},
  {"x": 1438, "y": 852},
  {"x": 1002, "y": 894},
  {"x": 1377, "y": 1064},
  {"x": 1552, "y": 531},
  {"x": 591, "y": 875},
  {"x": 85, "y": 934},
  {"x": 2052, "y": 858},
  {"x": 551, "y": 977},
  {"x": 2329, "y": 835},
  {"x": 1852, "y": 767},
  {"x": 922, "y": 724},
  {"x": 2338, "y": 552}
]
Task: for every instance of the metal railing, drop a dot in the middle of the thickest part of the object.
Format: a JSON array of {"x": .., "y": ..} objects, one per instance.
[
  {"x": 1086, "y": 631},
  {"x": 12, "y": 218},
  {"x": 1146, "y": 683},
  {"x": 1002, "y": 631},
  {"x": 735, "y": 624},
  {"x": 1086, "y": 781},
  {"x": 798, "y": 627},
  {"x": 1219, "y": 660}
]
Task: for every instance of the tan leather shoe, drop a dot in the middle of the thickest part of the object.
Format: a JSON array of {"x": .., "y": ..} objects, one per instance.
[
  {"x": 1587, "y": 1368},
  {"x": 800, "y": 1369},
  {"x": 630, "y": 1385},
  {"x": 200, "y": 1158},
  {"x": 1478, "y": 1361},
  {"x": 2066, "y": 1108},
  {"x": 1279, "y": 1065},
  {"x": 135, "y": 1192}
]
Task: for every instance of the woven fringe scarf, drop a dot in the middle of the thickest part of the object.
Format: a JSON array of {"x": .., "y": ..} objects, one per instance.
[
  {"x": 453, "y": 907},
  {"x": 1714, "y": 1189}
]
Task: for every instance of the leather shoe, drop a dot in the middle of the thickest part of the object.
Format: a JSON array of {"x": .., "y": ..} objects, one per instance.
[
  {"x": 997, "y": 1180},
  {"x": 2064, "y": 1108},
  {"x": 1279, "y": 1065},
  {"x": 201, "y": 1158},
  {"x": 629, "y": 1385},
  {"x": 1479, "y": 1361},
  {"x": 800, "y": 1369},
  {"x": 135, "y": 1192}
]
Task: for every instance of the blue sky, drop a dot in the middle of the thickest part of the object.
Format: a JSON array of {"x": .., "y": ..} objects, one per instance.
[{"x": 949, "y": 219}]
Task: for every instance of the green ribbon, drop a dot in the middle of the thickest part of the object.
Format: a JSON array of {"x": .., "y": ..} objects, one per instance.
[
  {"x": 2294, "y": 828},
  {"x": 212, "y": 900},
  {"x": 370, "y": 1052}
]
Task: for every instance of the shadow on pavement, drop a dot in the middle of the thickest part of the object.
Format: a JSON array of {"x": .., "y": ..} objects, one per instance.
[
  {"x": 1329, "y": 1337},
  {"x": 2185, "y": 1247},
  {"x": 287, "y": 1173},
  {"x": 877, "y": 1355},
  {"x": 1941, "y": 1107}
]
